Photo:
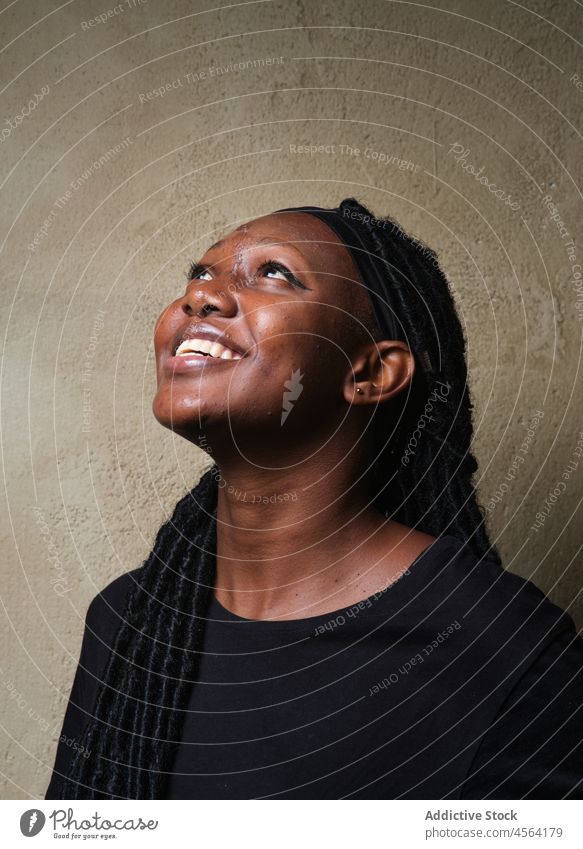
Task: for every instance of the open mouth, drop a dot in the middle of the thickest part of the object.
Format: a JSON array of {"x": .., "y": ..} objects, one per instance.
[{"x": 205, "y": 348}]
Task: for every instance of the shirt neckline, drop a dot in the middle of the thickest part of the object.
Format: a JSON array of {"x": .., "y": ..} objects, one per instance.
[{"x": 406, "y": 582}]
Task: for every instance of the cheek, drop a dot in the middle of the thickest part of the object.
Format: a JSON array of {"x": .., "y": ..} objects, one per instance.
[
  {"x": 297, "y": 328},
  {"x": 167, "y": 324},
  {"x": 305, "y": 336},
  {"x": 300, "y": 357}
]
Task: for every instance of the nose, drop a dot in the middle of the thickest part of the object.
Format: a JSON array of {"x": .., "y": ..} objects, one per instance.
[{"x": 205, "y": 296}]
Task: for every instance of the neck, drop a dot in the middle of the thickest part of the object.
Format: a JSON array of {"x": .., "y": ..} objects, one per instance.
[{"x": 288, "y": 539}]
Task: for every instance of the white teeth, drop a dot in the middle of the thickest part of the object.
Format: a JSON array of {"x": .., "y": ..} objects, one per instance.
[{"x": 204, "y": 346}]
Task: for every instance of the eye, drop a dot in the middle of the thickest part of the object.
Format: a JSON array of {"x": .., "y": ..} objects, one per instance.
[
  {"x": 272, "y": 270},
  {"x": 276, "y": 271},
  {"x": 198, "y": 272}
]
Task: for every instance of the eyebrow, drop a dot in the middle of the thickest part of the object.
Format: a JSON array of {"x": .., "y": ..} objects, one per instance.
[{"x": 216, "y": 244}]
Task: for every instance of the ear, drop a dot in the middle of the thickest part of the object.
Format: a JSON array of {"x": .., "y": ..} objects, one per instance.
[{"x": 379, "y": 372}]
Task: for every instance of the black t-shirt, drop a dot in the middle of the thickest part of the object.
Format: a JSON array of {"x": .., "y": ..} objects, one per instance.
[{"x": 461, "y": 680}]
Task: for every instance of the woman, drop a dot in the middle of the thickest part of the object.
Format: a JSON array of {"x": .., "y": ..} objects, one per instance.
[{"x": 323, "y": 616}]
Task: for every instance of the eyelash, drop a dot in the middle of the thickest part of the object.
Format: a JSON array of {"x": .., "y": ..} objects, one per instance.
[{"x": 196, "y": 269}]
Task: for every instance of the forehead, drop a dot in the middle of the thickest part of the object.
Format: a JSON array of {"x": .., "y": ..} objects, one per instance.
[{"x": 306, "y": 234}]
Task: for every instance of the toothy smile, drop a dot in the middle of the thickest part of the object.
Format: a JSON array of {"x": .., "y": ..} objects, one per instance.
[{"x": 206, "y": 348}]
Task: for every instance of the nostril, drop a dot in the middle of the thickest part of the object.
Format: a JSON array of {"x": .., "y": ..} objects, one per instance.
[{"x": 206, "y": 308}]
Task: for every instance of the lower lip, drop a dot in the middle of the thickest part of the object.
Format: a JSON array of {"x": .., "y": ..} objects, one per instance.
[{"x": 187, "y": 362}]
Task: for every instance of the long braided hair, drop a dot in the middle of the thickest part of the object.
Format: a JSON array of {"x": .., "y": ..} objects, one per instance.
[{"x": 421, "y": 480}]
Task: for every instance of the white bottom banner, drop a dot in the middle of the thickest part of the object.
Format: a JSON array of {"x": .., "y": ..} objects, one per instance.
[{"x": 295, "y": 824}]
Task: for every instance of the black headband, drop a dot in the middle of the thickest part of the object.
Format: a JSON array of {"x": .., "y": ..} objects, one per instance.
[{"x": 374, "y": 272}]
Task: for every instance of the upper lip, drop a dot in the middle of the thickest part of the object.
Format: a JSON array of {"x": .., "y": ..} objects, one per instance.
[{"x": 206, "y": 331}]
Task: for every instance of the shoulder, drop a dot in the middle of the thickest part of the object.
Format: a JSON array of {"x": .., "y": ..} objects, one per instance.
[
  {"x": 115, "y": 593},
  {"x": 501, "y": 609},
  {"x": 530, "y": 748},
  {"x": 106, "y": 611},
  {"x": 104, "y": 616}
]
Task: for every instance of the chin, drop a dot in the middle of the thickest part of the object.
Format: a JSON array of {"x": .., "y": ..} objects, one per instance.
[{"x": 180, "y": 415}]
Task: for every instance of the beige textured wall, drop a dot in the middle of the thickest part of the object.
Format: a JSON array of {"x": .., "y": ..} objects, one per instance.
[{"x": 88, "y": 474}]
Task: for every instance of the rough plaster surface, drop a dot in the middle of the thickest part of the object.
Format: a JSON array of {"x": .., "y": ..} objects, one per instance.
[{"x": 88, "y": 474}]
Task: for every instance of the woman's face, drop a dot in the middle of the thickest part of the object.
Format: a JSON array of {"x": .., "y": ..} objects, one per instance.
[{"x": 280, "y": 302}]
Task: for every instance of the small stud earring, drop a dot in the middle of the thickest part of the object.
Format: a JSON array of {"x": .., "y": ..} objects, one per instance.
[{"x": 359, "y": 390}]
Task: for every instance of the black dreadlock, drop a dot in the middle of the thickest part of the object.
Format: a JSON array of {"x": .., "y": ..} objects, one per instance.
[
  {"x": 422, "y": 481},
  {"x": 144, "y": 691},
  {"x": 425, "y": 444}
]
